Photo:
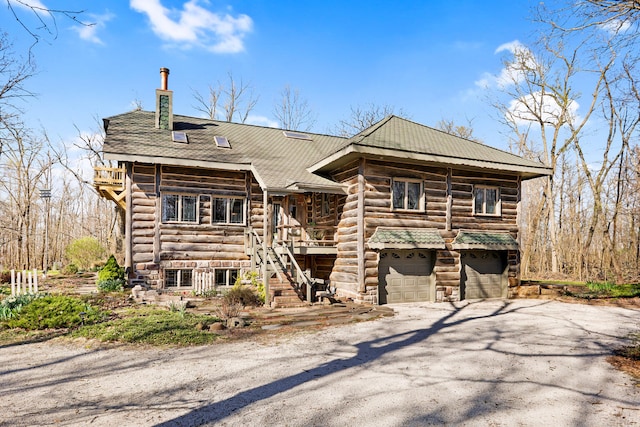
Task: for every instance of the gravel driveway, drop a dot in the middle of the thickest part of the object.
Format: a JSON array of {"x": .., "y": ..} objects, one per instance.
[{"x": 498, "y": 363}]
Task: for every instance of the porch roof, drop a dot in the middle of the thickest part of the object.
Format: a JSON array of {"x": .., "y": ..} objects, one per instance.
[
  {"x": 484, "y": 240},
  {"x": 406, "y": 238}
]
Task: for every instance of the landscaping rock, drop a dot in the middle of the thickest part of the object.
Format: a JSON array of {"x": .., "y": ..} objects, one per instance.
[
  {"x": 216, "y": 326},
  {"x": 236, "y": 322}
]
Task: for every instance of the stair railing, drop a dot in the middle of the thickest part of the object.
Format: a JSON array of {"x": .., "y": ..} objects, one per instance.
[
  {"x": 256, "y": 248},
  {"x": 301, "y": 276}
]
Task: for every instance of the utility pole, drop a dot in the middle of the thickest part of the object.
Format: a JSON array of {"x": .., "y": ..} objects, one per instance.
[{"x": 45, "y": 194}]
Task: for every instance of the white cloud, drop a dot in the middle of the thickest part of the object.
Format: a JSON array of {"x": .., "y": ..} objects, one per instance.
[
  {"x": 262, "y": 121},
  {"x": 615, "y": 26},
  {"x": 536, "y": 106},
  {"x": 89, "y": 32},
  {"x": 29, "y": 4},
  {"x": 514, "y": 72},
  {"x": 196, "y": 26}
]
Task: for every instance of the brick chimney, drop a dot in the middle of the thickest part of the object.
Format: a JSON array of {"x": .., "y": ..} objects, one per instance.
[{"x": 164, "y": 102}]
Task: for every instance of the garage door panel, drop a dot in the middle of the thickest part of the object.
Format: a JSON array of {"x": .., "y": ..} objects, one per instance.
[
  {"x": 484, "y": 274},
  {"x": 405, "y": 276}
]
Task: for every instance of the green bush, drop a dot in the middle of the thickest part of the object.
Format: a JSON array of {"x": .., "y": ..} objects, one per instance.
[
  {"x": 111, "y": 276},
  {"x": 601, "y": 287},
  {"x": 85, "y": 252},
  {"x": 111, "y": 285},
  {"x": 70, "y": 269},
  {"x": 10, "y": 307},
  {"x": 54, "y": 312}
]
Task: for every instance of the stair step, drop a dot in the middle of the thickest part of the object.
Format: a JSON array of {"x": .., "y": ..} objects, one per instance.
[{"x": 288, "y": 302}]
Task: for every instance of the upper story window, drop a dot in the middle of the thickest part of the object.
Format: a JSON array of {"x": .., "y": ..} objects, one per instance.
[
  {"x": 179, "y": 208},
  {"x": 228, "y": 210},
  {"x": 407, "y": 194},
  {"x": 486, "y": 201}
]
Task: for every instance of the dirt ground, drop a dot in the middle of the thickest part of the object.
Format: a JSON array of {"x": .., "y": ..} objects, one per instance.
[
  {"x": 85, "y": 283},
  {"x": 498, "y": 363}
]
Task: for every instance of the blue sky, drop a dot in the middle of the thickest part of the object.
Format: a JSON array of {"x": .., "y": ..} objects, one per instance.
[{"x": 424, "y": 57}]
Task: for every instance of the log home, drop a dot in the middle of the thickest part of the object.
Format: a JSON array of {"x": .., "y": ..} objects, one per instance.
[{"x": 399, "y": 212}]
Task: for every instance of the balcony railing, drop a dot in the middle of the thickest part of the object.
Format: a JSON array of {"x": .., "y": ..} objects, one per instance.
[
  {"x": 309, "y": 239},
  {"x": 112, "y": 177},
  {"x": 109, "y": 182}
]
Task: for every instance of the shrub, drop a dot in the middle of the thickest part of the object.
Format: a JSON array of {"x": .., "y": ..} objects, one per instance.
[
  {"x": 111, "y": 276},
  {"x": 111, "y": 285},
  {"x": 255, "y": 287},
  {"x": 70, "y": 269},
  {"x": 241, "y": 294},
  {"x": 10, "y": 307},
  {"x": 54, "y": 312},
  {"x": 85, "y": 252},
  {"x": 228, "y": 310},
  {"x": 5, "y": 276}
]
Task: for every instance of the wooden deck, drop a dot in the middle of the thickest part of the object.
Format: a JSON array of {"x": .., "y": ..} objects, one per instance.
[{"x": 109, "y": 183}]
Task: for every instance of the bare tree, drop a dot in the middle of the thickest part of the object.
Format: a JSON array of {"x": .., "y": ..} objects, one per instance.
[
  {"x": 24, "y": 167},
  {"x": 293, "y": 112},
  {"x": 463, "y": 131},
  {"x": 231, "y": 102},
  {"x": 13, "y": 75},
  {"x": 47, "y": 18},
  {"x": 363, "y": 117}
]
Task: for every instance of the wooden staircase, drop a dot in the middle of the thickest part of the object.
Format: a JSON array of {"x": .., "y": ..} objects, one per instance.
[{"x": 284, "y": 290}]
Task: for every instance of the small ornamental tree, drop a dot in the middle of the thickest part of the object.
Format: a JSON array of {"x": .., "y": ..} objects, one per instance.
[
  {"x": 111, "y": 276},
  {"x": 85, "y": 252}
]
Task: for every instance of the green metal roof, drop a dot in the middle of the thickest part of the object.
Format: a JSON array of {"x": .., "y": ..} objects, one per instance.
[
  {"x": 406, "y": 238},
  {"x": 484, "y": 240},
  {"x": 401, "y": 138},
  {"x": 287, "y": 164},
  {"x": 279, "y": 162}
]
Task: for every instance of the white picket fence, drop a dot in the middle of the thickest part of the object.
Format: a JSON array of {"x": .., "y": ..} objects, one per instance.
[
  {"x": 203, "y": 281},
  {"x": 24, "y": 282}
]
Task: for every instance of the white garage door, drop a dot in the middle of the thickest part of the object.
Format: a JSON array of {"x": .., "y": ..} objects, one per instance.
[
  {"x": 484, "y": 274},
  {"x": 406, "y": 276}
]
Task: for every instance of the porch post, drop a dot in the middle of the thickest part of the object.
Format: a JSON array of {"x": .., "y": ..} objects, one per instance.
[
  {"x": 265, "y": 233},
  {"x": 361, "y": 286},
  {"x": 128, "y": 259}
]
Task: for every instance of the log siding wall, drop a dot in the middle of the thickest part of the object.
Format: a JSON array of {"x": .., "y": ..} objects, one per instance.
[
  {"x": 201, "y": 246},
  {"x": 448, "y": 207}
]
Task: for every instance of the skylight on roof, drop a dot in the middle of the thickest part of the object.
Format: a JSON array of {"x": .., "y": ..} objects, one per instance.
[
  {"x": 177, "y": 136},
  {"x": 296, "y": 135},
  {"x": 222, "y": 142}
]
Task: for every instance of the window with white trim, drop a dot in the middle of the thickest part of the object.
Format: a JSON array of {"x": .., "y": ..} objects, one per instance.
[
  {"x": 486, "y": 200},
  {"x": 228, "y": 210},
  {"x": 174, "y": 278},
  {"x": 179, "y": 208},
  {"x": 407, "y": 194},
  {"x": 226, "y": 276}
]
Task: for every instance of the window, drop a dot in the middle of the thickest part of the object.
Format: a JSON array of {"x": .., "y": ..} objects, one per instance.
[
  {"x": 179, "y": 208},
  {"x": 178, "y": 278},
  {"x": 407, "y": 194},
  {"x": 226, "y": 277},
  {"x": 228, "y": 210},
  {"x": 486, "y": 201}
]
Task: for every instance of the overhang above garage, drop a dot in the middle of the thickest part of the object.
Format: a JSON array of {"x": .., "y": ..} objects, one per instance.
[
  {"x": 405, "y": 238},
  {"x": 491, "y": 241}
]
